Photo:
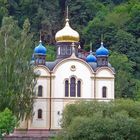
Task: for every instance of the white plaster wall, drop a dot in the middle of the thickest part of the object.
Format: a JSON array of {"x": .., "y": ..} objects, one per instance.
[
  {"x": 64, "y": 71},
  {"x": 41, "y": 71},
  {"x": 40, "y": 123},
  {"x": 57, "y": 110},
  {"x": 41, "y": 102},
  {"x": 104, "y": 72},
  {"x": 105, "y": 77},
  {"x": 109, "y": 83},
  {"x": 44, "y": 83}
]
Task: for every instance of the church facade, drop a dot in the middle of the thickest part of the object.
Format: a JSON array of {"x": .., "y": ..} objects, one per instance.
[{"x": 71, "y": 77}]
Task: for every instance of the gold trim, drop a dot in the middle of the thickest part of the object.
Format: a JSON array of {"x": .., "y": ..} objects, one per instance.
[{"x": 67, "y": 38}]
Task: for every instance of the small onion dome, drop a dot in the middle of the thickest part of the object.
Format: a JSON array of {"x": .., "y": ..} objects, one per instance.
[
  {"x": 67, "y": 34},
  {"x": 40, "y": 49},
  {"x": 91, "y": 57},
  {"x": 102, "y": 50}
]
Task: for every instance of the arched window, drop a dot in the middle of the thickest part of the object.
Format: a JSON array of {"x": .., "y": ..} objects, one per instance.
[
  {"x": 104, "y": 92},
  {"x": 58, "y": 50},
  {"x": 68, "y": 50},
  {"x": 66, "y": 88},
  {"x": 39, "y": 115},
  {"x": 40, "y": 89},
  {"x": 72, "y": 87},
  {"x": 79, "y": 88}
]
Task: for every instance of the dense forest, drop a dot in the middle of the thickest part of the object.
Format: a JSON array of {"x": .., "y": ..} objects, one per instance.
[{"x": 117, "y": 21}]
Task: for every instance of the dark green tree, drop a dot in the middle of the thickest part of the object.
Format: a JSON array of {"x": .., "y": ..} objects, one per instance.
[
  {"x": 101, "y": 120},
  {"x": 125, "y": 83},
  {"x": 16, "y": 88}
]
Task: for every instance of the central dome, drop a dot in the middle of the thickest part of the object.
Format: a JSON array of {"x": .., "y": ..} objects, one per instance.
[{"x": 67, "y": 34}]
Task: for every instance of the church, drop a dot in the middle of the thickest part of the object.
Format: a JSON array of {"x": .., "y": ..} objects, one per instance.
[{"x": 71, "y": 77}]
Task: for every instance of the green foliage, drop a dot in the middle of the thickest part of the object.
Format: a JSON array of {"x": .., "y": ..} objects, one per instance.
[
  {"x": 118, "y": 21},
  {"x": 114, "y": 24},
  {"x": 16, "y": 88},
  {"x": 50, "y": 53},
  {"x": 124, "y": 74},
  {"x": 7, "y": 122},
  {"x": 116, "y": 120}
]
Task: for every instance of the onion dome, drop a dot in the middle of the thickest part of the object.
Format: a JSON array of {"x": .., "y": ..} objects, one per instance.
[
  {"x": 40, "y": 49},
  {"x": 102, "y": 50},
  {"x": 91, "y": 57},
  {"x": 67, "y": 34}
]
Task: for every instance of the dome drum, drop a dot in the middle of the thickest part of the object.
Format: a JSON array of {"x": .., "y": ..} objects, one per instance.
[{"x": 67, "y": 43}]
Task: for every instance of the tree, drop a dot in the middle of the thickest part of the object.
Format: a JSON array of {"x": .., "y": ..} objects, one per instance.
[
  {"x": 125, "y": 84},
  {"x": 101, "y": 120},
  {"x": 16, "y": 88},
  {"x": 8, "y": 122}
]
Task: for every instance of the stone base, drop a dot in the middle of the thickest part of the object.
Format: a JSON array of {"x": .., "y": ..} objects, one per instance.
[{"x": 35, "y": 132}]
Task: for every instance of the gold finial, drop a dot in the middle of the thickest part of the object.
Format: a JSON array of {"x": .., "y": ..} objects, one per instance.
[
  {"x": 40, "y": 38},
  {"x": 102, "y": 38},
  {"x": 90, "y": 47},
  {"x": 67, "y": 14}
]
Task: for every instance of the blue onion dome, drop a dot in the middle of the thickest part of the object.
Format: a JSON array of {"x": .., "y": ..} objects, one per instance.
[
  {"x": 40, "y": 49},
  {"x": 102, "y": 50},
  {"x": 91, "y": 57}
]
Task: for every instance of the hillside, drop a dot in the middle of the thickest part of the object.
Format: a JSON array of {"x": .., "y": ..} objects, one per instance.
[{"x": 117, "y": 21}]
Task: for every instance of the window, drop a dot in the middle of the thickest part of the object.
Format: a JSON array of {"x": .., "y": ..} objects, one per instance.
[
  {"x": 72, "y": 87},
  {"x": 66, "y": 88},
  {"x": 63, "y": 50},
  {"x": 58, "y": 51},
  {"x": 79, "y": 89},
  {"x": 68, "y": 51},
  {"x": 40, "y": 88},
  {"x": 104, "y": 92},
  {"x": 39, "y": 114}
]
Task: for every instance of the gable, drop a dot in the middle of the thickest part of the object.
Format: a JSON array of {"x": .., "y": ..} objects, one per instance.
[
  {"x": 41, "y": 71},
  {"x": 104, "y": 72}
]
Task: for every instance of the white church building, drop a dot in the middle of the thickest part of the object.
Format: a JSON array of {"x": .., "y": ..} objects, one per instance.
[{"x": 71, "y": 77}]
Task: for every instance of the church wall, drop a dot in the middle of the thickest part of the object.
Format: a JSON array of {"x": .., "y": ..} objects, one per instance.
[
  {"x": 41, "y": 71},
  {"x": 44, "y": 83},
  {"x": 108, "y": 83},
  {"x": 64, "y": 71},
  {"x": 105, "y": 78},
  {"x": 104, "y": 72},
  {"x": 81, "y": 72},
  {"x": 41, "y": 102},
  {"x": 42, "y": 122},
  {"x": 57, "y": 109}
]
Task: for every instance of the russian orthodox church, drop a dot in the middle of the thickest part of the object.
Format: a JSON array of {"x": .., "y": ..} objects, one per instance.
[{"x": 71, "y": 77}]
